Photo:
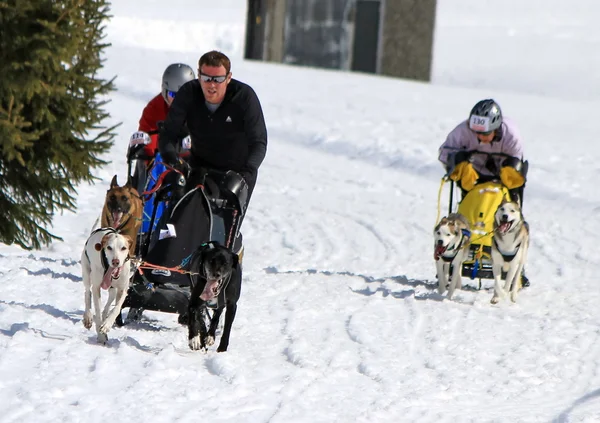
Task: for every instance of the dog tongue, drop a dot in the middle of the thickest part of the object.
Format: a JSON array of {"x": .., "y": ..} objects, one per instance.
[
  {"x": 439, "y": 250},
  {"x": 117, "y": 219},
  {"x": 111, "y": 273},
  {"x": 504, "y": 227},
  {"x": 209, "y": 290}
]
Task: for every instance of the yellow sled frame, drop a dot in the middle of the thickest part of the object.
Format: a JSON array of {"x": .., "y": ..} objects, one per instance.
[{"x": 479, "y": 206}]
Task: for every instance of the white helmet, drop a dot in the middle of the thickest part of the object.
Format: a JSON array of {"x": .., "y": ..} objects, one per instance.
[
  {"x": 174, "y": 77},
  {"x": 485, "y": 116}
]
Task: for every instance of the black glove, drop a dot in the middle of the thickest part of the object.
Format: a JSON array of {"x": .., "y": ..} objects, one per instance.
[{"x": 247, "y": 174}]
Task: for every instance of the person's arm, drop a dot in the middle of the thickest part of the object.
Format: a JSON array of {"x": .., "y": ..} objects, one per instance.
[
  {"x": 146, "y": 121},
  {"x": 256, "y": 133},
  {"x": 512, "y": 143},
  {"x": 148, "y": 124},
  {"x": 512, "y": 172},
  {"x": 457, "y": 140},
  {"x": 174, "y": 124}
]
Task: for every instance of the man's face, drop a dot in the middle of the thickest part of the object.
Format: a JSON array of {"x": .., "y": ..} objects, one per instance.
[
  {"x": 485, "y": 138},
  {"x": 209, "y": 76}
]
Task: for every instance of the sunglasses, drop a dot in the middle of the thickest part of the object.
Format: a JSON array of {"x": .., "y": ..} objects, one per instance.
[
  {"x": 208, "y": 78},
  {"x": 171, "y": 94}
]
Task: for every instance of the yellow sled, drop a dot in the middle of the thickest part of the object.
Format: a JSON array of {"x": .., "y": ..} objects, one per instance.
[{"x": 479, "y": 206}]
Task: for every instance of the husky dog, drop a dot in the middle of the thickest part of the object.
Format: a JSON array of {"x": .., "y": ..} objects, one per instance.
[
  {"x": 509, "y": 249},
  {"x": 451, "y": 241}
]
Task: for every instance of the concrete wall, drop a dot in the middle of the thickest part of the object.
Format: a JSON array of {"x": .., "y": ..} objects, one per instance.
[
  {"x": 320, "y": 33},
  {"x": 315, "y": 33},
  {"x": 408, "y": 38}
]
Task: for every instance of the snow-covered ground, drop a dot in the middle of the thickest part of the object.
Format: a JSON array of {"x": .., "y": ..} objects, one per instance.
[{"x": 339, "y": 319}]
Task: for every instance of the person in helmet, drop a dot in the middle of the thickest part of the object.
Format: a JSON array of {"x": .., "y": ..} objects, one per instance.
[
  {"x": 485, "y": 131},
  {"x": 174, "y": 76}
]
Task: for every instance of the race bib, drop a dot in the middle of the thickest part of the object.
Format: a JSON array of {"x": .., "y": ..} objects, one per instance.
[
  {"x": 186, "y": 143},
  {"x": 479, "y": 123},
  {"x": 138, "y": 138}
]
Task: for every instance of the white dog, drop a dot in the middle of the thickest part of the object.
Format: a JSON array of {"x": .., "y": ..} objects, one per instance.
[
  {"x": 509, "y": 249},
  {"x": 451, "y": 241},
  {"x": 104, "y": 263}
]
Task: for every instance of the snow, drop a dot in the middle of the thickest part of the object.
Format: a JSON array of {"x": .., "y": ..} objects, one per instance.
[{"x": 339, "y": 318}]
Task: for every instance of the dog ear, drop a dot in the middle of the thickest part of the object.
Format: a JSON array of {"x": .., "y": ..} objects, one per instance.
[
  {"x": 236, "y": 259},
  {"x": 129, "y": 183},
  {"x": 441, "y": 222},
  {"x": 128, "y": 239},
  {"x": 104, "y": 241},
  {"x": 114, "y": 183}
]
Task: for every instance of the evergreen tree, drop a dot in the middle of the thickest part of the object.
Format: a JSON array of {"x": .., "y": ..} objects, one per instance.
[{"x": 51, "y": 111}]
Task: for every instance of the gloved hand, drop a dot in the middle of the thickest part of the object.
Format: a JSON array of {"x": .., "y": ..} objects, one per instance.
[
  {"x": 139, "y": 137},
  {"x": 511, "y": 177},
  {"x": 465, "y": 173},
  {"x": 186, "y": 143}
]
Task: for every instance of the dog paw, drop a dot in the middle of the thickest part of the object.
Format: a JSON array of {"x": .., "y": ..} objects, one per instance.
[
  {"x": 195, "y": 343},
  {"x": 210, "y": 340},
  {"x": 102, "y": 338},
  {"x": 513, "y": 297},
  {"x": 106, "y": 326},
  {"x": 495, "y": 299},
  {"x": 222, "y": 348},
  {"x": 87, "y": 320}
]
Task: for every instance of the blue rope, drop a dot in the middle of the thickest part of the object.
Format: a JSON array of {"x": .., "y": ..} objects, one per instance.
[{"x": 186, "y": 260}]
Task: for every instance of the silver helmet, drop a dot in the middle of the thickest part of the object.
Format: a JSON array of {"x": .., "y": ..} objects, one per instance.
[
  {"x": 174, "y": 77},
  {"x": 485, "y": 116}
]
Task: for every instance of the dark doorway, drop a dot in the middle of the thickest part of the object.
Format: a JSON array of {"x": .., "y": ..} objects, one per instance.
[
  {"x": 366, "y": 36},
  {"x": 255, "y": 29}
]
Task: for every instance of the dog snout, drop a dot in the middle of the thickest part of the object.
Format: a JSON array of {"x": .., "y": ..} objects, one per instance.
[
  {"x": 115, "y": 262},
  {"x": 440, "y": 242},
  {"x": 504, "y": 217}
]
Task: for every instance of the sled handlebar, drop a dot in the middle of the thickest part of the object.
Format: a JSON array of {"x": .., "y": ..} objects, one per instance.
[{"x": 467, "y": 155}]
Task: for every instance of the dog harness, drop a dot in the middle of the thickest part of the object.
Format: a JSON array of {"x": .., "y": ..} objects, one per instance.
[
  {"x": 507, "y": 257},
  {"x": 464, "y": 232}
]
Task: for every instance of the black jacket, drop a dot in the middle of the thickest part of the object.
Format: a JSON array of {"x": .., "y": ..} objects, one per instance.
[{"x": 234, "y": 137}]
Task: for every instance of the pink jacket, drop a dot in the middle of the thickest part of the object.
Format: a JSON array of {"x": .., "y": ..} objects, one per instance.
[{"x": 462, "y": 138}]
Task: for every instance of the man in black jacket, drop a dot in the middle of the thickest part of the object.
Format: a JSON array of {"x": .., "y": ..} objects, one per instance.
[{"x": 224, "y": 119}]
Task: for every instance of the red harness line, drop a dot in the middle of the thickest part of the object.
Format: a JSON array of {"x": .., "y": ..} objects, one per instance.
[
  {"x": 160, "y": 179},
  {"x": 178, "y": 269}
]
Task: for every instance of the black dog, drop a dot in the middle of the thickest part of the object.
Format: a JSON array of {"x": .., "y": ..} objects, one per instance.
[{"x": 220, "y": 279}]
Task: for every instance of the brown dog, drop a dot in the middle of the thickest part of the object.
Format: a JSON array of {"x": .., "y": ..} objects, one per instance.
[{"x": 123, "y": 211}]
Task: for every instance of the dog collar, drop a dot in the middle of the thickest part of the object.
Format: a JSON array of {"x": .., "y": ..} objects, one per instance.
[
  {"x": 464, "y": 232},
  {"x": 454, "y": 248}
]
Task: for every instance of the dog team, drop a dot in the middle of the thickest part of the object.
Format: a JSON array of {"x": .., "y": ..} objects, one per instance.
[
  {"x": 510, "y": 242},
  {"x": 106, "y": 263}
]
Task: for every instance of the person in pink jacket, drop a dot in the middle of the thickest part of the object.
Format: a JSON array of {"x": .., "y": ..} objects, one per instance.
[{"x": 486, "y": 146}]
